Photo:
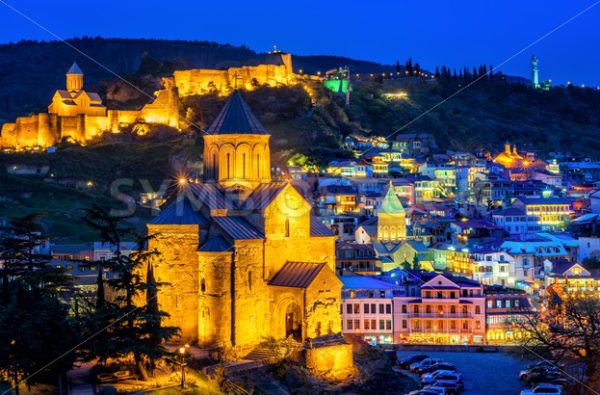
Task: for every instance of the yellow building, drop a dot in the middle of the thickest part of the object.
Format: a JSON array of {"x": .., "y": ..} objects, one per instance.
[
  {"x": 78, "y": 116},
  {"x": 246, "y": 261},
  {"x": 276, "y": 72}
]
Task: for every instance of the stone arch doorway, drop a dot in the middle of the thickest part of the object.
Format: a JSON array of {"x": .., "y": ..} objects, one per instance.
[{"x": 293, "y": 322}]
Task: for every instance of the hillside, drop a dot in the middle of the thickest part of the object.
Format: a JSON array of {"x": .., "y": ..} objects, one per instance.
[
  {"x": 481, "y": 117},
  {"x": 31, "y": 71}
]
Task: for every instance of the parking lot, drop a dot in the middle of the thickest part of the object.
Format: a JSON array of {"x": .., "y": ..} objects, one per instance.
[{"x": 483, "y": 373}]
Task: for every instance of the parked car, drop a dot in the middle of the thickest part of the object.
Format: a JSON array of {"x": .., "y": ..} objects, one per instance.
[
  {"x": 429, "y": 378},
  {"x": 427, "y": 362},
  {"x": 406, "y": 362},
  {"x": 544, "y": 389},
  {"x": 526, "y": 374},
  {"x": 543, "y": 364},
  {"x": 423, "y": 392},
  {"x": 550, "y": 377},
  {"x": 446, "y": 376},
  {"x": 451, "y": 386},
  {"x": 439, "y": 390},
  {"x": 439, "y": 366}
]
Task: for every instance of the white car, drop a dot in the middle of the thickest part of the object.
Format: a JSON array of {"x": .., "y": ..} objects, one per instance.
[
  {"x": 544, "y": 389},
  {"x": 429, "y": 378},
  {"x": 427, "y": 362},
  {"x": 438, "y": 389}
]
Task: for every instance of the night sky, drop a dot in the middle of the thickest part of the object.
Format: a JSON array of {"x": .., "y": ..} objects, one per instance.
[{"x": 452, "y": 32}]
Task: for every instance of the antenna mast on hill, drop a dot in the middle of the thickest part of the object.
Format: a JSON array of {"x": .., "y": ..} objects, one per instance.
[{"x": 347, "y": 86}]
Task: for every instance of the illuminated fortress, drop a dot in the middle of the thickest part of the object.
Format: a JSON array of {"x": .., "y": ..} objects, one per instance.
[{"x": 78, "y": 116}]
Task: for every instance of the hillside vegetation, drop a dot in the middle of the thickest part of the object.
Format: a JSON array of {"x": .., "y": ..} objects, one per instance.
[{"x": 303, "y": 129}]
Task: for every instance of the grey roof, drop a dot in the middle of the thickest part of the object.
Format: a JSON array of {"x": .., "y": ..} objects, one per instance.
[
  {"x": 297, "y": 274},
  {"x": 238, "y": 228},
  {"x": 263, "y": 195},
  {"x": 216, "y": 244},
  {"x": 69, "y": 248},
  {"x": 236, "y": 117},
  {"x": 180, "y": 212},
  {"x": 318, "y": 228},
  {"x": 74, "y": 69},
  {"x": 211, "y": 196},
  {"x": 531, "y": 200},
  {"x": 511, "y": 211}
]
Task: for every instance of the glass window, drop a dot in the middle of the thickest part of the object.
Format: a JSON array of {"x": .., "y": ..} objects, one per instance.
[
  {"x": 349, "y": 308},
  {"x": 366, "y": 308},
  {"x": 388, "y": 325},
  {"x": 356, "y": 308},
  {"x": 367, "y": 324},
  {"x": 388, "y": 308},
  {"x": 381, "y": 324},
  {"x": 381, "y": 308},
  {"x": 404, "y": 324},
  {"x": 349, "y": 324}
]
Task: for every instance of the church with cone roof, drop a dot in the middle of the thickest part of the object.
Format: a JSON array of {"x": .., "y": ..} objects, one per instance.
[{"x": 245, "y": 260}]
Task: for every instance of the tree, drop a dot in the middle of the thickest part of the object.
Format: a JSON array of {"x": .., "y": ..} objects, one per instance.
[
  {"x": 567, "y": 330},
  {"x": 21, "y": 255},
  {"x": 35, "y": 326},
  {"x": 415, "y": 263},
  {"x": 128, "y": 328},
  {"x": 405, "y": 265}
]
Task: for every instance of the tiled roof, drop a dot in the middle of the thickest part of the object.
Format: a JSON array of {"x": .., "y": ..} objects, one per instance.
[
  {"x": 263, "y": 195},
  {"x": 74, "y": 69},
  {"x": 69, "y": 248},
  {"x": 238, "y": 228},
  {"x": 318, "y": 228},
  {"x": 390, "y": 203},
  {"x": 530, "y": 200},
  {"x": 211, "y": 196},
  {"x": 216, "y": 244},
  {"x": 297, "y": 274},
  {"x": 180, "y": 212},
  {"x": 365, "y": 282},
  {"x": 236, "y": 117}
]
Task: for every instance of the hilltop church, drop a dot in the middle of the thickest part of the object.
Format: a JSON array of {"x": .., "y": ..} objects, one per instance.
[{"x": 246, "y": 261}]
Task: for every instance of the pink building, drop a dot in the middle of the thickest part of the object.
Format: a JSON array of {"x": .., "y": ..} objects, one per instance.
[{"x": 447, "y": 310}]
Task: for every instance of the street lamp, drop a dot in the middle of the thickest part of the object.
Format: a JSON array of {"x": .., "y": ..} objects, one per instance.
[{"x": 182, "y": 364}]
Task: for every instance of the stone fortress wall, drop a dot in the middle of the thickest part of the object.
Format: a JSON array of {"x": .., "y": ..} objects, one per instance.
[{"x": 79, "y": 116}]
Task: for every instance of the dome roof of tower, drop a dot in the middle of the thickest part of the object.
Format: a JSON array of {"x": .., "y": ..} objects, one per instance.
[
  {"x": 74, "y": 69},
  {"x": 236, "y": 118}
]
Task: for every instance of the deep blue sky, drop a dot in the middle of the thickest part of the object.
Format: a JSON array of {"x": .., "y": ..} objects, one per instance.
[{"x": 451, "y": 32}]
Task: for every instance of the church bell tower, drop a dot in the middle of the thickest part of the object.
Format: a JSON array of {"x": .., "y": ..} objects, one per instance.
[
  {"x": 236, "y": 147},
  {"x": 74, "y": 78}
]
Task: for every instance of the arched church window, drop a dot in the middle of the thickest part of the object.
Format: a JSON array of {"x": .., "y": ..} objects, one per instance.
[
  {"x": 228, "y": 166},
  {"x": 258, "y": 165},
  {"x": 214, "y": 166},
  {"x": 243, "y": 165}
]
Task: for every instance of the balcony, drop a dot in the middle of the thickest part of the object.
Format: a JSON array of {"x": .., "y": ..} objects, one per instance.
[
  {"x": 440, "y": 315},
  {"x": 414, "y": 331}
]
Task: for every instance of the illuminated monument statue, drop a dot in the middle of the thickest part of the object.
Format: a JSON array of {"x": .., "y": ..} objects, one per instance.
[{"x": 246, "y": 260}]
